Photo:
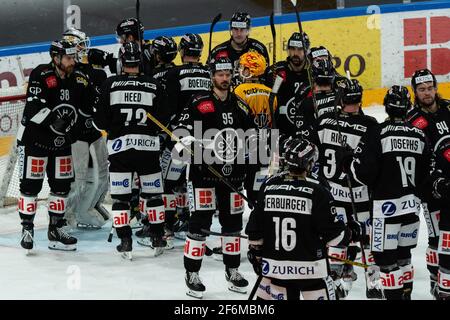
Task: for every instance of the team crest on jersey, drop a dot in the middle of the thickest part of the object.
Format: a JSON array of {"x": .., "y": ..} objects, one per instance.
[
  {"x": 226, "y": 145},
  {"x": 65, "y": 110},
  {"x": 262, "y": 120}
]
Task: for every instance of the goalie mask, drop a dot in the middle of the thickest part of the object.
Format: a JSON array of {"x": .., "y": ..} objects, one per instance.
[
  {"x": 251, "y": 65},
  {"x": 82, "y": 42}
]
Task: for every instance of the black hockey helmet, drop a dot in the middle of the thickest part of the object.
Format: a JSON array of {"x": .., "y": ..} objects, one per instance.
[
  {"x": 130, "y": 26},
  {"x": 422, "y": 76},
  {"x": 191, "y": 44},
  {"x": 397, "y": 101},
  {"x": 296, "y": 41},
  {"x": 351, "y": 91},
  {"x": 240, "y": 20},
  {"x": 318, "y": 52},
  {"x": 220, "y": 64},
  {"x": 300, "y": 154},
  {"x": 63, "y": 47},
  {"x": 323, "y": 72},
  {"x": 165, "y": 47},
  {"x": 130, "y": 54}
]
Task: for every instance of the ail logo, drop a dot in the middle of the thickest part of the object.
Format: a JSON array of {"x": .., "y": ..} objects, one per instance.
[
  {"x": 193, "y": 251},
  {"x": 418, "y": 46}
]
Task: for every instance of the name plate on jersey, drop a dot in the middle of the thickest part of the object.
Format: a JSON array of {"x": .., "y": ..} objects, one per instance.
[
  {"x": 406, "y": 144},
  {"x": 131, "y": 97},
  {"x": 288, "y": 204},
  {"x": 294, "y": 270},
  {"x": 133, "y": 141}
]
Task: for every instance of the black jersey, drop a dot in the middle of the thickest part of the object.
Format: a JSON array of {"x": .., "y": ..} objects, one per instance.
[
  {"x": 293, "y": 90},
  {"x": 160, "y": 73},
  {"x": 122, "y": 111},
  {"x": 185, "y": 81},
  {"x": 226, "y": 50},
  {"x": 49, "y": 97},
  {"x": 97, "y": 76},
  {"x": 219, "y": 121},
  {"x": 296, "y": 220},
  {"x": 393, "y": 160},
  {"x": 436, "y": 125},
  {"x": 324, "y": 102},
  {"x": 352, "y": 128}
]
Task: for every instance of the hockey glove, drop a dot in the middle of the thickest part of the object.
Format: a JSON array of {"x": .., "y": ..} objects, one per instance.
[
  {"x": 441, "y": 188},
  {"x": 99, "y": 57},
  {"x": 62, "y": 124},
  {"x": 344, "y": 158},
  {"x": 357, "y": 229},
  {"x": 254, "y": 255}
]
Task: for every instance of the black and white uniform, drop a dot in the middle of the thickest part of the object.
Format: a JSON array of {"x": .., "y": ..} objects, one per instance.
[
  {"x": 182, "y": 83},
  {"x": 295, "y": 221},
  {"x": 133, "y": 146},
  {"x": 393, "y": 160},
  {"x": 353, "y": 127},
  {"x": 220, "y": 120},
  {"x": 226, "y": 50},
  {"x": 436, "y": 127},
  {"x": 291, "y": 115},
  {"x": 44, "y": 147}
]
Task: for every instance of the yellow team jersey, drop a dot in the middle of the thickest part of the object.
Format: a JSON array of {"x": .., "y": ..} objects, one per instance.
[{"x": 256, "y": 96}]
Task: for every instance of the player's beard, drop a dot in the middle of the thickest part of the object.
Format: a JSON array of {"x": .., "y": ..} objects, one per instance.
[
  {"x": 222, "y": 86},
  {"x": 67, "y": 70},
  {"x": 296, "y": 61},
  {"x": 427, "y": 102}
]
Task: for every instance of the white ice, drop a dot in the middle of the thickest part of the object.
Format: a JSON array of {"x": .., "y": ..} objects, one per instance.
[{"x": 96, "y": 271}]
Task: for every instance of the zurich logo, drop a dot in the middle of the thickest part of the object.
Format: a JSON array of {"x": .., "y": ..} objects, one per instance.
[
  {"x": 117, "y": 145},
  {"x": 265, "y": 267},
  {"x": 388, "y": 208}
]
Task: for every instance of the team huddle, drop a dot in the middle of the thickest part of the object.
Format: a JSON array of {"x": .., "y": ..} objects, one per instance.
[{"x": 184, "y": 143}]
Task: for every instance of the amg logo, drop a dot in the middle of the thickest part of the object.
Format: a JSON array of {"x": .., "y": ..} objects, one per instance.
[
  {"x": 133, "y": 83},
  {"x": 186, "y": 71},
  {"x": 325, "y": 100},
  {"x": 401, "y": 128},
  {"x": 344, "y": 124},
  {"x": 288, "y": 187}
]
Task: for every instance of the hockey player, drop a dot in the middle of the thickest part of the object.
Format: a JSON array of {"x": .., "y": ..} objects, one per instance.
[
  {"x": 164, "y": 51},
  {"x": 239, "y": 42},
  {"x": 256, "y": 95},
  {"x": 219, "y": 110},
  {"x": 332, "y": 135},
  {"x": 441, "y": 191},
  {"x": 431, "y": 114},
  {"x": 290, "y": 229},
  {"x": 295, "y": 87},
  {"x": 393, "y": 161},
  {"x": 89, "y": 153},
  {"x": 56, "y": 94},
  {"x": 183, "y": 82},
  {"x": 323, "y": 75},
  {"x": 133, "y": 145}
]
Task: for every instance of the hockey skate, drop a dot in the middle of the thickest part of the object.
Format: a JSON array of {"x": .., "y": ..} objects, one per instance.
[
  {"x": 125, "y": 247},
  {"x": 181, "y": 226},
  {"x": 373, "y": 285},
  {"x": 168, "y": 237},
  {"x": 27, "y": 237},
  {"x": 434, "y": 287},
  {"x": 195, "y": 287},
  {"x": 58, "y": 237},
  {"x": 340, "y": 289},
  {"x": 157, "y": 246},
  {"x": 236, "y": 281}
]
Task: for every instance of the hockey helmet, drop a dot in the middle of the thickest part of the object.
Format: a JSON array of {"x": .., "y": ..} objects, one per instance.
[
  {"x": 165, "y": 47},
  {"x": 322, "y": 72},
  {"x": 319, "y": 52},
  {"x": 63, "y": 47},
  {"x": 296, "y": 41},
  {"x": 397, "y": 101},
  {"x": 80, "y": 39},
  {"x": 300, "y": 154},
  {"x": 220, "y": 64},
  {"x": 254, "y": 62},
  {"x": 240, "y": 20},
  {"x": 422, "y": 76},
  {"x": 191, "y": 44},
  {"x": 132, "y": 27},
  {"x": 351, "y": 91},
  {"x": 130, "y": 54}
]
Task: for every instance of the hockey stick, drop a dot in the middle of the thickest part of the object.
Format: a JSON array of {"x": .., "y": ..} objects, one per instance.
[
  {"x": 274, "y": 59},
  {"x": 255, "y": 287},
  {"x": 211, "y": 169},
  {"x": 308, "y": 63},
  {"x": 219, "y": 234},
  {"x": 348, "y": 261},
  {"x": 211, "y": 28}
]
